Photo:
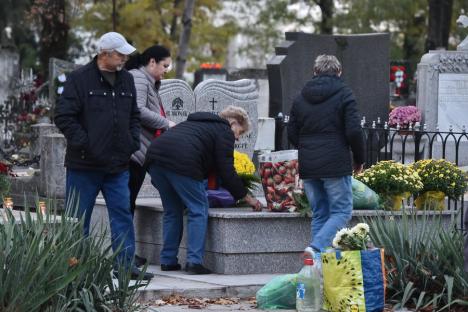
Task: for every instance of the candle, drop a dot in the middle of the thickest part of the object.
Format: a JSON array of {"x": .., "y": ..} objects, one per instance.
[
  {"x": 8, "y": 203},
  {"x": 7, "y": 206},
  {"x": 43, "y": 207}
]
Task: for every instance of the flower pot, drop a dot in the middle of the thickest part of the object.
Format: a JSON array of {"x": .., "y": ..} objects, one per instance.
[
  {"x": 394, "y": 201},
  {"x": 406, "y": 132},
  {"x": 430, "y": 200}
]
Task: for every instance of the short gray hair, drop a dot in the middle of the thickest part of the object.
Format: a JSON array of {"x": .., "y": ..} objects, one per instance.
[
  {"x": 327, "y": 64},
  {"x": 238, "y": 114}
]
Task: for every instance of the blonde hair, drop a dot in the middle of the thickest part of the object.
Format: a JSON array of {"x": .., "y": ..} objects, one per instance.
[
  {"x": 327, "y": 64},
  {"x": 238, "y": 114}
]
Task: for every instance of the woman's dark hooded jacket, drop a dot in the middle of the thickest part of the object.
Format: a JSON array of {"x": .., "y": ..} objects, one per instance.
[
  {"x": 324, "y": 126},
  {"x": 202, "y": 144}
]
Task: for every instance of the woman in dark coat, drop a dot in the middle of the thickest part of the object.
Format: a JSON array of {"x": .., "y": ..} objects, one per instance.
[
  {"x": 179, "y": 161},
  {"x": 325, "y": 127}
]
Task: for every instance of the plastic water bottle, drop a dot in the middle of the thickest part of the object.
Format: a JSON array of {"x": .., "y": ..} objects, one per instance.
[{"x": 308, "y": 294}]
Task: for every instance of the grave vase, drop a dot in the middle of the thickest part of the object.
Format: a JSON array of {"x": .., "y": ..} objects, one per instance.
[
  {"x": 394, "y": 202},
  {"x": 430, "y": 200},
  {"x": 405, "y": 132}
]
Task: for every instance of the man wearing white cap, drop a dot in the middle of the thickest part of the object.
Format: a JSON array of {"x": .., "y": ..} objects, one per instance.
[{"x": 99, "y": 117}]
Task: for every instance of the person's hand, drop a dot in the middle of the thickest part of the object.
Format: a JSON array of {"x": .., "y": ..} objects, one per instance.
[
  {"x": 357, "y": 168},
  {"x": 171, "y": 124},
  {"x": 253, "y": 202}
]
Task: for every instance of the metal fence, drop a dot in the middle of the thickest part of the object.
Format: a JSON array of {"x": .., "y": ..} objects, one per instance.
[{"x": 403, "y": 145}]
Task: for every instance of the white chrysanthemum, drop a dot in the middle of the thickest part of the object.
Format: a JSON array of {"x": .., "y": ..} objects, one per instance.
[
  {"x": 336, "y": 242},
  {"x": 361, "y": 229},
  {"x": 339, "y": 235}
]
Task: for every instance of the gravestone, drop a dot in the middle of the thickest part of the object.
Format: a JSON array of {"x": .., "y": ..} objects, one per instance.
[
  {"x": 53, "y": 172},
  {"x": 365, "y": 62},
  {"x": 177, "y": 98},
  {"x": 9, "y": 67},
  {"x": 443, "y": 89},
  {"x": 260, "y": 77},
  {"x": 57, "y": 67},
  {"x": 215, "y": 95}
]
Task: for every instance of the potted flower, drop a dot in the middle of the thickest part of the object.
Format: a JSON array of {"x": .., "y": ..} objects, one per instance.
[
  {"x": 440, "y": 178},
  {"x": 393, "y": 182},
  {"x": 404, "y": 116}
]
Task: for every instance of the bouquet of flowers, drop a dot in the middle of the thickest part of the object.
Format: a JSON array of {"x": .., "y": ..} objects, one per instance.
[
  {"x": 441, "y": 175},
  {"x": 245, "y": 169},
  {"x": 404, "y": 116},
  {"x": 391, "y": 178},
  {"x": 356, "y": 238}
]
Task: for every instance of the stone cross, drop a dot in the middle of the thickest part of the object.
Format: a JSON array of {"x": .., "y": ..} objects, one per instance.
[{"x": 215, "y": 95}]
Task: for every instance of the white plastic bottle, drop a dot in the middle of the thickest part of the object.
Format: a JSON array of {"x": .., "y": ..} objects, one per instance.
[{"x": 308, "y": 294}]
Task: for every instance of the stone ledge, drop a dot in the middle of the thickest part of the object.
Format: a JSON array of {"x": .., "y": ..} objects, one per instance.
[{"x": 240, "y": 241}]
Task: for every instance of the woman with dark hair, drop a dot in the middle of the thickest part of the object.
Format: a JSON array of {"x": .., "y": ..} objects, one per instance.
[{"x": 147, "y": 69}]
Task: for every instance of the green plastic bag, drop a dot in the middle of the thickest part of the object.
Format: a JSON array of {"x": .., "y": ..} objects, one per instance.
[
  {"x": 364, "y": 198},
  {"x": 279, "y": 293}
]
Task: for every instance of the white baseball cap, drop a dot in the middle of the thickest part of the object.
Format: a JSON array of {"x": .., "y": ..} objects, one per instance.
[{"x": 115, "y": 41}]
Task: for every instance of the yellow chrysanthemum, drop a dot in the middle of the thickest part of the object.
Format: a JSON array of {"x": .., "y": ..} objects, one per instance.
[{"x": 243, "y": 164}]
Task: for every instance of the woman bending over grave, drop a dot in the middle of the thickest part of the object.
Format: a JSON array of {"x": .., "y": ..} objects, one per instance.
[
  {"x": 147, "y": 69},
  {"x": 178, "y": 162}
]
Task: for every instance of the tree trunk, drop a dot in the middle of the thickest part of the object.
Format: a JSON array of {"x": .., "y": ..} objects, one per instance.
[
  {"x": 184, "y": 40},
  {"x": 114, "y": 15},
  {"x": 54, "y": 33},
  {"x": 175, "y": 18},
  {"x": 440, "y": 17},
  {"x": 327, "y": 8}
]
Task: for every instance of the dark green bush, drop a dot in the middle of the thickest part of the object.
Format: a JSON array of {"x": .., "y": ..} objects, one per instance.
[
  {"x": 48, "y": 265},
  {"x": 424, "y": 261}
]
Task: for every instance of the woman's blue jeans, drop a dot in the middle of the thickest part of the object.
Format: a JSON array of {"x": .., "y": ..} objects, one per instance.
[
  {"x": 331, "y": 201},
  {"x": 177, "y": 192}
]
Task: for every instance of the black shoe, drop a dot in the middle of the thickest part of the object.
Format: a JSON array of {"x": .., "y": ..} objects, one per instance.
[
  {"x": 170, "y": 267},
  {"x": 140, "y": 261},
  {"x": 196, "y": 268},
  {"x": 135, "y": 274}
]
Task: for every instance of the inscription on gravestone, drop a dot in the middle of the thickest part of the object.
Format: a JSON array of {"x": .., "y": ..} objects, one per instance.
[
  {"x": 177, "y": 98},
  {"x": 453, "y": 101},
  {"x": 215, "y": 95}
]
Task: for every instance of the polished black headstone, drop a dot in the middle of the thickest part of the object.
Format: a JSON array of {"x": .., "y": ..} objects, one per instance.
[{"x": 365, "y": 61}]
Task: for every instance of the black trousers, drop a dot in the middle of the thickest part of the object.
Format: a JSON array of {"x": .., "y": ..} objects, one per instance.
[{"x": 135, "y": 181}]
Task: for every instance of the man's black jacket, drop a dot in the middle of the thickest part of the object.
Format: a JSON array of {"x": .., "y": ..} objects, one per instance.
[
  {"x": 325, "y": 127},
  {"x": 100, "y": 122},
  {"x": 193, "y": 148}
]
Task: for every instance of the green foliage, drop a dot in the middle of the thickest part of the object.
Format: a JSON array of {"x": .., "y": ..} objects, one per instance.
[
  {"x": 302, "y": 203},
  {"x": 5, "y": 185},
  {"x": 263, "y": 23},
  {"x": 146, "y": 22},
  {"x": 404, "y": 20},
  {"x": 250, "y": 181},
  {"x": 423, "y": 259},
  {"x": 49, "y": 266}
]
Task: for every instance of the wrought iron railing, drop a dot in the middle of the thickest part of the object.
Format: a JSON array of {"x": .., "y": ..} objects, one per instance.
[{"x": 403, "y": 145}]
